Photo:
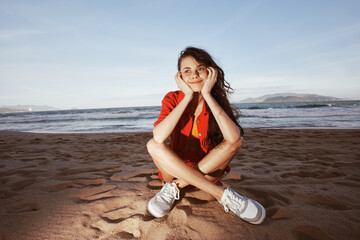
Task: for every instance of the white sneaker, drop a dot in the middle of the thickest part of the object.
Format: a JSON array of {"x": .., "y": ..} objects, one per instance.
[
  {"x": 247, "y": 209},
  {"x": 162, "y": 202}
]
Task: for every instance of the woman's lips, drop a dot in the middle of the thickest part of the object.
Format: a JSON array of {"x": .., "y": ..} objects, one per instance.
[{"x": 196, "y": 82}]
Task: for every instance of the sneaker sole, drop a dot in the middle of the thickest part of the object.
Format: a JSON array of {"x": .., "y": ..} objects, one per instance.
[
  {"x": 154, "y": 212},
  {"x": 263, "y": 211}
]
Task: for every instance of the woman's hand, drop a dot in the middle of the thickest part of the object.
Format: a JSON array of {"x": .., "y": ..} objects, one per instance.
[
  {"x": 186, "y": 89},
  {"x": 210, "y": 81}
]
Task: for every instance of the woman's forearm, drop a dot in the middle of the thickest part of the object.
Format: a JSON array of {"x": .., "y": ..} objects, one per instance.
[
  {"x": 228, "y": 128},
  {"x": 163, "y": 130}
]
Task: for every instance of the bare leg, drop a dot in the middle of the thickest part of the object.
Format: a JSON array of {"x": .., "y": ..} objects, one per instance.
[
  {"x": 171, "y": 166},
  {"x": 213, "y": 164}
]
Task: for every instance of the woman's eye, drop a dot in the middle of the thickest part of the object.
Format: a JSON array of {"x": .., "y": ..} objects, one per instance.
[{"x": 201, "y": 68}]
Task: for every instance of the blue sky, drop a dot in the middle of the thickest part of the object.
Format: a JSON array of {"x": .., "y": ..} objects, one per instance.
[{"x": 114, "y": 53}]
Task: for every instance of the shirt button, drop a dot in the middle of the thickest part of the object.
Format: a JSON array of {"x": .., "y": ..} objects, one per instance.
[
  {"x": 199, "y": 134},
  {"x": 197, "y": 121}
]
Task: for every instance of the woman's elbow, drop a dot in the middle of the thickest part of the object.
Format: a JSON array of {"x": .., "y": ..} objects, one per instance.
[
  {"x": 236, "y": 140},
  {"x": 235, "y": 144},
  {"x": 234, "y": 137},
  {"x": 157, "y": 137}
]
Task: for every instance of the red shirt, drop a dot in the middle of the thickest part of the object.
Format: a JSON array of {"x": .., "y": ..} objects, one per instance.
[{"x": 183, "y": 128}]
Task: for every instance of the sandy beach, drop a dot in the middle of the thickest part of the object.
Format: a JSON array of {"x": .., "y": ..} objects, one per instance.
[{"x": 96, "y": 186}]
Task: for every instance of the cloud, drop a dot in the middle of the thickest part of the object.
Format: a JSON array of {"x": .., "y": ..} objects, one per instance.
[{"x": 12, "y": 34}]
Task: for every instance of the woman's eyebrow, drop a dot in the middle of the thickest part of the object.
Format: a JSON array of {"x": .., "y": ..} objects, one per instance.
[
  {"x": 185, "y": 68},
  {"x": 200, "y": 65}
]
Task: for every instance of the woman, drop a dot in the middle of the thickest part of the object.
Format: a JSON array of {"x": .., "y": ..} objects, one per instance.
[{"x": 205, "y": 135}]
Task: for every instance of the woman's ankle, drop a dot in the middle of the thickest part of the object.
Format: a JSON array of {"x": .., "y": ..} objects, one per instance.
[
  {"x": 180, "y": 183},
  {"x": 220, "y": 194}
]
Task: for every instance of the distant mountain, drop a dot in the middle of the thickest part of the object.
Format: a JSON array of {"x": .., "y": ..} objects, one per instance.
[
  {"x": 291, "y": 97},
  {"x": 9, "y": 110},
  {"x": 25, "y": 108}
]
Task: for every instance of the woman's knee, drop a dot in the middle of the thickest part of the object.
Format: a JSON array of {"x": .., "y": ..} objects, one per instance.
[
  {"x": 151, "y": 146},
  {"x": 154, "y": 148}
]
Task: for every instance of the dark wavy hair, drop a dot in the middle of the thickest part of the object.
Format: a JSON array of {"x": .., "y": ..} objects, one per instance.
[{"x": 220, "y": 93}]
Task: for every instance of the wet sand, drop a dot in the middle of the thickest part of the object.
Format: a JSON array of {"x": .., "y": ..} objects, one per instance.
[{"x": 96, "y": 186}]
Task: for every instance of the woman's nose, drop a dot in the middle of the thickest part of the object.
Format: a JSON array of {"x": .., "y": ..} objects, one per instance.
[{"x": 195, "y": 73}]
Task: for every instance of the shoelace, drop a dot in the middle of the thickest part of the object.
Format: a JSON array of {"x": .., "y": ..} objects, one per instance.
[
  {"x": 233, "y": 199},
  {"x": 170, "y": 192}
]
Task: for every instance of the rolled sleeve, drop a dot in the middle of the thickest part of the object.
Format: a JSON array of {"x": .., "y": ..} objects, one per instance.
[{"x": 167, "y": 105}]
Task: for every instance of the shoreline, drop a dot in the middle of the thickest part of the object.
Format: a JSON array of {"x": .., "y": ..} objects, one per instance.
[
  {"x": 150, "y": 131},
  {"x": 97, "y": 185}
]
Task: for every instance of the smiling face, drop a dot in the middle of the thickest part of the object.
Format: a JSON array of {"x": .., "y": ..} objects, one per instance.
[{"x": 193, "y": 73}]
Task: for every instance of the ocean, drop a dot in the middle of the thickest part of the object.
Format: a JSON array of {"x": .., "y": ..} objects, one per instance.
[{"x": 334, "y": 114}]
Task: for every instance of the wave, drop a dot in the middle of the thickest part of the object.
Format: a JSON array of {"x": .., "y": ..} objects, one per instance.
[{"x": 314, "y": 106}]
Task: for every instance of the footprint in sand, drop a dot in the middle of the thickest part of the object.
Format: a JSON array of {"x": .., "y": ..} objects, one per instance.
[
  {"x": 86, "y": 220},
  {"x": 309, "y": 232},
  {"x": 323, "y": 201},
  {"x": 139, "y": 176},
  {"x": 95, "y": 193},
  {"x": 77, "y": 184},
  {"x": 130, "y": 227},
  {"x": 122, "y": 223},
  {"x": 3, "y": 180},
  {"x": 117, "y": 215},
  {"x": 22, "y": 184},
  {"x": 155, "y": 184},
  {"x": 196, "y": 201},
  {"x": 26, "y": 207},
  {"x": 177, "y": 217},
  {"x": 269, "y": 198},
  {"x": 235, "y": 177},
  {"x": 276, "y": 213}
]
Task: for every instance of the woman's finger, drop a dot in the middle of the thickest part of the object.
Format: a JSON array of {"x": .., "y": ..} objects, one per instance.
[
  {"x": 213, "y": 74},
  {"x": 210, "y": 73},
  {"x": 177, "y": 76}
]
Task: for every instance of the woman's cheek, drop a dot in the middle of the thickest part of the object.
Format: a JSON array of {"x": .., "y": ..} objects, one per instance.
[{"x": 204, "y": 76}]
